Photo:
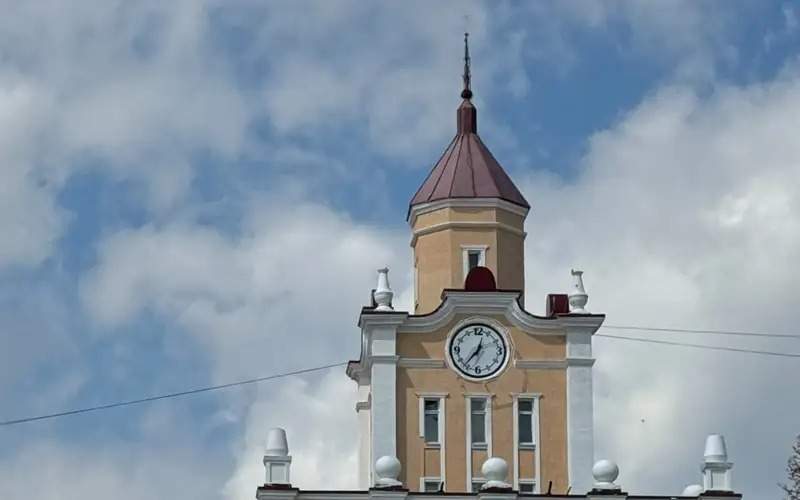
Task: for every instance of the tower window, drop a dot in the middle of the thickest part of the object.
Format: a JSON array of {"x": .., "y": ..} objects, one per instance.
[
  {"x": 527, "y": 486},
  {"x": 474, "y": 256},
  {"x": 478, "y": 422},
  {"x": 431, "y": 485},
  {"x": 431, "y": 420},
  {"x": 525, "y": 420}
]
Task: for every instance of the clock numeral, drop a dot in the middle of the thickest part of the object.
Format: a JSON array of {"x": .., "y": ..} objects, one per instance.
[
  {"x": 478, "y": 369},
  {"x": 457, "y": 349}
]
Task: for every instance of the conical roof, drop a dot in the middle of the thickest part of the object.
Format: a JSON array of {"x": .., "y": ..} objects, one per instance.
[{"x": 467, "y": 169}]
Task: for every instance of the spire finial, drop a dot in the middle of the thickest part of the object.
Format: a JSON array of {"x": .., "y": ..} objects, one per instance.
[{"x": 467, "y": 92}]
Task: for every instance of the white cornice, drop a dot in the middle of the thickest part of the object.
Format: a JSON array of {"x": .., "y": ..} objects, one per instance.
[
  {"x": 540, "y": 364},
  {"x": 580, "y": 361},
  {"x": 551, "y": 364},
  {"x": 465, "y": 225},
  {"x": 486, "y": 303},
  {"x": 432, "y": 206},
  {"x": 370, "y": 317},
  {"x": 421, "y": 363}
]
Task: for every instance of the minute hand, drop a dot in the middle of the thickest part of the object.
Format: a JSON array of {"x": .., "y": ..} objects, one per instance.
[{"x": 480, "y": 346}]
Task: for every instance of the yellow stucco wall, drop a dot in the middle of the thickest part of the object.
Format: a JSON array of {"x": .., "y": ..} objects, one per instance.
[
  {"x": 550, "y": 383},
  {"x": 438, "y": 238}
]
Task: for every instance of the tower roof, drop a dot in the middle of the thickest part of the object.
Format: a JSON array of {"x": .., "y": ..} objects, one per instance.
[{"x": 467, "y": 169}]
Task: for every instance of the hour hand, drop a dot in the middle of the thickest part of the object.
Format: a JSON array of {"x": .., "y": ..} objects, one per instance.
[{"x": 475, "y": 352}]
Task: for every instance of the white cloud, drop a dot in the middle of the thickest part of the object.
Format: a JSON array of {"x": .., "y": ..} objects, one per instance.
[
  {"x": 247, "y": 296},
  {"x": 320, "y": 423},
  {"x": 684, "y": 215}
]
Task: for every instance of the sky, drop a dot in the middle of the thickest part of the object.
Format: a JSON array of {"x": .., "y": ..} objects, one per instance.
[{"x": 199, "y": 192}]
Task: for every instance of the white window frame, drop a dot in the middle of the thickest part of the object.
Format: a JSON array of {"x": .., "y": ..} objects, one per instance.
[
  {"x": 536, "y": 398},
  {"x": 465, "y": 251},
  {"x": 442, "y": 397},
  {"x": 532, "y": 482},
  {"x": 468, "y": 397},
  {"x": 487, "y": 426},
  {"x": 480, "y": 480},
  {"x": 532, "y": 444},
  {"x": 429, "y": 479}
]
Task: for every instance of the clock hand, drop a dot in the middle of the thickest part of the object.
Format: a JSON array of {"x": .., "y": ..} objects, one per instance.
[{"x": 475, "y": 352}]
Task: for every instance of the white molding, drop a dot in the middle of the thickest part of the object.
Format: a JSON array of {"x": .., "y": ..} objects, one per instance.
[
  {"x": 491, "y": 322},
  {"x": 465, "y": 225},
  {"x": 465, "y": 250},
  {"x": 536, "y": 398},
  {"x": 487, "y": 423},
  {"x": 496, "y": 303},
  {"x": 432, "y": 394},
  {"x": 580, "y": 361},
  {"x": 422, "y": 480},
  {"x": 443, "y": 441},
  {"x": 551, "y": 364},
  {"x": 540, "y": 364},
  {"x": 432, "y": 206},
  {"x": 423, "y": 363},
  {"x": 580, "y": 408}
]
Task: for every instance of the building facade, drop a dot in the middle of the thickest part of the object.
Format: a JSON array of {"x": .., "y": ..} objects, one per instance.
[
  {"x": 431, "y": 393},
  {"x": 469, "y": 394}
]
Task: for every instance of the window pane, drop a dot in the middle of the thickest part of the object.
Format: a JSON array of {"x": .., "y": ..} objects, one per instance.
[
  {"x": 431, "y": 427},
  {"x": 526, "y": 487},
  {"x": 525, "y": 428},
  {"x": 476, "y": 486},
  {"x": 474, "y": 258},
  {"x": 478, "y": 428},
  {"x": 525, "y": 405},
  {"x": 431, "y": 405},
  {"x": 432, "y": 486},
  {"x": 478, "y": 404}
]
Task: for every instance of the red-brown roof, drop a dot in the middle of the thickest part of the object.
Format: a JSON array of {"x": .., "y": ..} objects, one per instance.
[{"x": 467, "y": 168}]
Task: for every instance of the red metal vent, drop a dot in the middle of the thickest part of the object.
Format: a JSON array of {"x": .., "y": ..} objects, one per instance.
[{"x": 557, "y": 303}]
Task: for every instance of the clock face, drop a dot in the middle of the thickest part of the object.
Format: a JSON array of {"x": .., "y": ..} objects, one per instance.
[{"x": 478, "y": 351}]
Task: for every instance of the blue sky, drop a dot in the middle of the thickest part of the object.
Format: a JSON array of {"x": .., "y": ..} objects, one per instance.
[{"x": 200, "y": 192}]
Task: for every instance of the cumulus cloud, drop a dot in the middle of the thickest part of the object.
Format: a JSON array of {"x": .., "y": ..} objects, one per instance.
[
  {"x": 248, "y": 297},
  {"x": 683, "y": 216},
  {"x": 680, "y": 211}
]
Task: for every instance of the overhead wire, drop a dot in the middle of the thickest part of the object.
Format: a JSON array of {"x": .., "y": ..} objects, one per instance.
[
  {"x": 711, "y": 332},
  {"x": 700, "y": 346},
  {"x": 169, "y": 395},
  {"x": 333, "y": 365}
]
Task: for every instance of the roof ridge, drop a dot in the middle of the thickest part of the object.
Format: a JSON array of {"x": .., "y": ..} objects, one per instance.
[{"x": 455, "y": 167}]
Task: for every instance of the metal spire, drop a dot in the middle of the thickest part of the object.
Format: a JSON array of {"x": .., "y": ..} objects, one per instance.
[{"x": 467, "y": 92}]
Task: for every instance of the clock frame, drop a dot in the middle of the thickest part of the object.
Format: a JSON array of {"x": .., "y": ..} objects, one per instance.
[{"x": 465, "y": 325}]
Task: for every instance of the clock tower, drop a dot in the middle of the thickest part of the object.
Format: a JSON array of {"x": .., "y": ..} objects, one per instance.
[{"x": 469, "y": 373}]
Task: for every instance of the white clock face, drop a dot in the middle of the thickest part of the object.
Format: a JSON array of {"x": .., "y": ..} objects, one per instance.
[{"x": 478, "y": 351}]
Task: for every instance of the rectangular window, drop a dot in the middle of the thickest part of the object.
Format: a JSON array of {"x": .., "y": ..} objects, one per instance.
[
  {"x": 478, "y": 422},
  {"x": 431, "y": 420},
  {"x": 476, "y": 485},
  {"x": 527, "y": 486},
  {"x": 525, "y": 420},
  {"x": 473, "y": 258},
  {"x": 431, "y": 485}
]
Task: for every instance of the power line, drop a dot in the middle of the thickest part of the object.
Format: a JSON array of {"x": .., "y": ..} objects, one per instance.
[
  {"x": 167, "y": 396},
  {"x": 332, "y": 365},
  {"x": 700, "y": 346},
  {"x": 712, "y": 332}
]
